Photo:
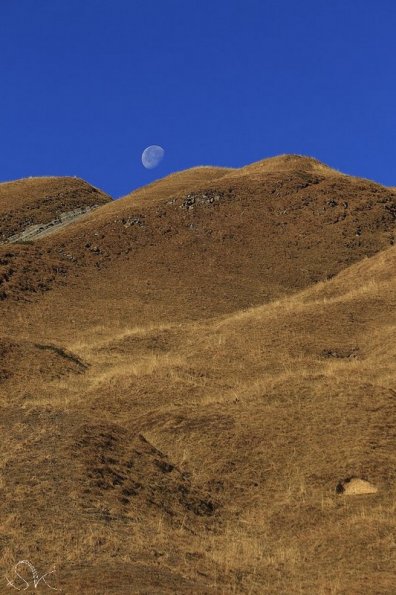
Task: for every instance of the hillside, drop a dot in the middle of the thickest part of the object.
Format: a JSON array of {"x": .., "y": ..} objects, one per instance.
[
  {"x": 34, "y": 203},
  {"x": 188, "y": 378},
  {"x": 239, "y": 240}
]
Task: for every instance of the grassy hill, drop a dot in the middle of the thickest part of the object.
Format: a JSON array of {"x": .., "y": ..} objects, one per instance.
[
  {"x": 187, "y": 376},
  {"x": 35, "y": 202}
]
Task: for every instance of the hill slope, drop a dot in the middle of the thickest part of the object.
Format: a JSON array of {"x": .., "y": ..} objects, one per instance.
[
  {"x": 242, "y": 238},
  {"x": 32, "y": 203},
  {"x": 179, "y": 408}
]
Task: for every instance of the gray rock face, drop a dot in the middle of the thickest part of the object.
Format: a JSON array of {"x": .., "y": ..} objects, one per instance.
[{"x": 39, "y": 230}]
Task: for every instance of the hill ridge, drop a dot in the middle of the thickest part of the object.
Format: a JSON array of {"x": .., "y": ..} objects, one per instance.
[{"x": 318, "y": 223}]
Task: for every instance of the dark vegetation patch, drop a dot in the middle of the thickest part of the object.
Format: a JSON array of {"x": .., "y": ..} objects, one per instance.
[
  {"x": 23, "y": 359},
  {"x": 63, "y": 353},
  {"x": 127, "y": 474},
  {"x": 341, "y": 353},
  {"x": 27, "y": 270}
]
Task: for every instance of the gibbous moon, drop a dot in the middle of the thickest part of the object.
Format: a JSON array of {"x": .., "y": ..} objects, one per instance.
[{"x": 152, "y": 156}]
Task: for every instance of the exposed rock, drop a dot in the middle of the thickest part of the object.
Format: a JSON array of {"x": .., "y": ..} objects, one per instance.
[
  {"x": 129, "y": 221},
  {"x": 353, "y": 486},
  {"x": 40, "y": 230},
  {"x": 207, "y": 197},
  {"x": 33, "y": 207}
]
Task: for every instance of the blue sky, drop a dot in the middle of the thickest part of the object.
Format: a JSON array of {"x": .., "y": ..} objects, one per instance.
[{"x": 86, "y": 85}]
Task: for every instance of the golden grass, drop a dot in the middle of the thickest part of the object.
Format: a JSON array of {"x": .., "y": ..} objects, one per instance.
[
  {"x": 260, "y": 411},
  {"x": 258, "y": 372}
]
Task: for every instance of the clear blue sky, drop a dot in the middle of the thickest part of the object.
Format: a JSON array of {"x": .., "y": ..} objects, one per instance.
[{"x": 86, "y": 85}]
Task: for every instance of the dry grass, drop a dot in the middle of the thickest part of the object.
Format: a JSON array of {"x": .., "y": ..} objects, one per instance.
[
  {"x": 287, "y": 163},
  {"x": 198, "y": 451},
  {"x": 33, "y": 201},
  {"x": 280, "y": 521}
]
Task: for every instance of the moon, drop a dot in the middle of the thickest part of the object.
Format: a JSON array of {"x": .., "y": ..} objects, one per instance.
[{"x": 152, "y": 156}]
